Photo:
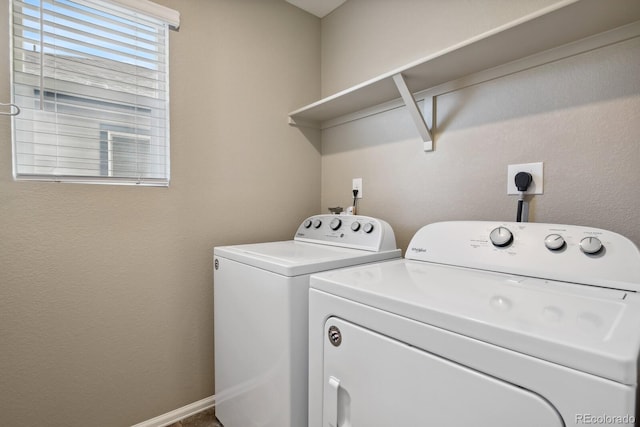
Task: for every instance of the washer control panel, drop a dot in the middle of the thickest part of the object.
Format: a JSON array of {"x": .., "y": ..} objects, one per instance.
[
  {"x": 551, "y": 251},
  {"x": 351, "y": 231}
]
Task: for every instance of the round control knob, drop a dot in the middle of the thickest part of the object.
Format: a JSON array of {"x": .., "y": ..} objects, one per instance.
[
  {"x": 335, "y": 224},
  {"x": 554, "y": 242},
  {"x": 307, "y": 223},
  {"x": 591, "y": 245},
  {"x": 317, "y": 223},
  {"x": 368, "y": 227},
  {"x": 355, "y": 226},
  {"x": 501, "y": 237}
]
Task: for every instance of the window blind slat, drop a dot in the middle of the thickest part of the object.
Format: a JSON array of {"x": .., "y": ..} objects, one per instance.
[
  {"x": 45, "y": 139},
  {"x": 145, "y": 10},
  {"x": 165, "y": 14},
  {"x": 83, "y": 159},
  {"x": 90, "y": 119},
  {"x": 91, "y": 79},
  {"x": 81, "y": 44},
  {"x": 76, "y": 48},
  {"x": 94, "y": 69},
  {"x": 70, "y": 12}
]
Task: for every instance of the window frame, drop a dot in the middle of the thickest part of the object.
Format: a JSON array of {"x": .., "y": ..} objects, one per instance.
[{"x": 170, "y": 20}]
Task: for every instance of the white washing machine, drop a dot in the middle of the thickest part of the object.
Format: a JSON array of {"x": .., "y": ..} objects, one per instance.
[
  {"x": 261, "y": 294},
  {"x": 483, "y": 324}
]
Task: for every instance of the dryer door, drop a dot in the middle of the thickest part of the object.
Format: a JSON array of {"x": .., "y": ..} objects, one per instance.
[{"x": 371, "y": 380}]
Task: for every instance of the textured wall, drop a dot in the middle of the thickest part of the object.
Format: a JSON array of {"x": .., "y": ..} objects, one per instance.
[
  {"x": 363, "y": 39},
  {"x": 105, "y": 291},
  {"x": 580, "y": 116}
]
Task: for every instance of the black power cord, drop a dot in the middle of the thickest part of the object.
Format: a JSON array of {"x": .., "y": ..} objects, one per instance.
[
  {"x": 522, "y": 180},
  {"x": 355, "y": 201}
]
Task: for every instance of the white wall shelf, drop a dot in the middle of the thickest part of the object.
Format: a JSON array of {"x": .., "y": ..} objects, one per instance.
[{"x": 564, "y": 23}]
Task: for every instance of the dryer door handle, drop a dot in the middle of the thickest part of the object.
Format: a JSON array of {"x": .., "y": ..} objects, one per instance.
[{"x": 331, "y": 402}]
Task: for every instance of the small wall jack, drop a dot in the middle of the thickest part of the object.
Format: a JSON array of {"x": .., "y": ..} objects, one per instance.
[{"x": 523, "y": 180}]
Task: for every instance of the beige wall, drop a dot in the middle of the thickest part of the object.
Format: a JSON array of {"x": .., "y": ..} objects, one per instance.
[
  {"x": 106, "y": 292},
  {"x": 580, "y": 116},
  {"x": 363, "y": 39}
]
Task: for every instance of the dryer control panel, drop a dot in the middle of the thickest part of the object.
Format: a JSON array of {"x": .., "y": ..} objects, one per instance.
[
  {"x": 566, "y": 253},
  {"x": 349, "y": 231}
]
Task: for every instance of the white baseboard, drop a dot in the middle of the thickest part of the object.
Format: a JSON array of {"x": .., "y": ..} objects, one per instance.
[{"x": 179, "y": 414}]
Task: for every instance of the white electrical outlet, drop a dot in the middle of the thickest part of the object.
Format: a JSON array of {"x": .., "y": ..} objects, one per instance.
[
  {"x": 536, "y": 171},
  {"x": 357, "y": 185}
]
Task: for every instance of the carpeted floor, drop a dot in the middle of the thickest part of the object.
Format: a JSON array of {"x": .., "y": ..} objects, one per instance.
[{"x": 201, "y": 419}]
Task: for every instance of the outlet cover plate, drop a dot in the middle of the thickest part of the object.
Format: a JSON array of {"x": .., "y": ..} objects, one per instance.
[{"x": 535, "y": 169}]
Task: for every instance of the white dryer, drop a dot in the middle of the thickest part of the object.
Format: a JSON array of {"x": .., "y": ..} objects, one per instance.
[
  {"x": 483, "y": 324},
  {"x": 261, "y": 296}
]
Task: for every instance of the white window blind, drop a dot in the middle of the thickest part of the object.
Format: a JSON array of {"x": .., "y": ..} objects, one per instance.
[{"x": 91, "y": 80}]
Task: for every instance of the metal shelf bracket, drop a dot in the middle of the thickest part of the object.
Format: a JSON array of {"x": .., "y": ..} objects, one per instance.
[{"x": 414, "y": 111}]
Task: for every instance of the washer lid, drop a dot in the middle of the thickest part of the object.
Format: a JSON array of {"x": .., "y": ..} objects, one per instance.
[
  {"x": 292, "y": 258},
  {"x": 591, "y": 329}
]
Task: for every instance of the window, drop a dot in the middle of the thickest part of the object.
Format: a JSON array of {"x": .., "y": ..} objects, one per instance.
[{"x": 91, "y": 80}]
